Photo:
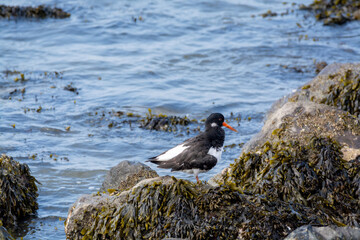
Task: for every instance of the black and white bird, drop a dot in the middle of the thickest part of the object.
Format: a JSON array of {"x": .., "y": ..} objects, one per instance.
[{"x": 198, "y": 154}]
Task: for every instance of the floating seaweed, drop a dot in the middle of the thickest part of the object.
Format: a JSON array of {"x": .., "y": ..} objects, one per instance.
[{"x": 18, "y": 191}]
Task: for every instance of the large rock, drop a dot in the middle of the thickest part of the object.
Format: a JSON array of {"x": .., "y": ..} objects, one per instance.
[
  {"x": 18, "y": 192},
  {"x": 326, "y": 106},
  {"x": 166, "y": 207},
  {"x": 309, "y": 232},
  {"x": 125, "y": 175},
  {"x": 302, "y": 120}
]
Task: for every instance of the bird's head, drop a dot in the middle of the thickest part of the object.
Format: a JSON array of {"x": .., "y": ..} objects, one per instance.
[{"x": 217, "y": 120}]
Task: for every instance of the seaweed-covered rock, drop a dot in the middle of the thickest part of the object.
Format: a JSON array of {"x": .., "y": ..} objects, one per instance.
[
  {"x": 326, "y": 106},
  {"x": 18, "y": 191},
  {"x": 4, "y": 235},
  {"x": 314, "y": 175},
  {"x": 309, "y": 232},
  {"x": 166, "y": 207},
  {"x": 126, "y": 175},
  {"x": 335, "y": 11},
  {"x": 300, "y": 121},
  {"x": 32, "y": 12},
  {"x": 337, "y": 85}
]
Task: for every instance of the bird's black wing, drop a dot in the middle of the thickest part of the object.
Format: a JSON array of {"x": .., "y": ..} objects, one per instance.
[{"x": 194, "y": 154}]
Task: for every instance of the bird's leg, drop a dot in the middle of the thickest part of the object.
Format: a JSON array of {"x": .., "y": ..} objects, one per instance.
[{"x": 197, "y": 179}]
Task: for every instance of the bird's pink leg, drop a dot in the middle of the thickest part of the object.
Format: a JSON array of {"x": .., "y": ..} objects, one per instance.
[{"x": 197, "y": 179}]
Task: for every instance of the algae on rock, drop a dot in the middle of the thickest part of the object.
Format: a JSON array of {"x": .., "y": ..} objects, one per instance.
[
  {"x": 314, "y": 175},
  {"x": 18, "y": 191},
  {"x": 168, "y": 207}
]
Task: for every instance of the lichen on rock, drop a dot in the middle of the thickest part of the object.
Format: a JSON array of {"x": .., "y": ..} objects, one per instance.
[{"x": 18, "y": 191}]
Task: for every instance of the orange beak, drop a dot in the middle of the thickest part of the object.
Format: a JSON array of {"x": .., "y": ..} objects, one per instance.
[{"x": 229, "y": 127}]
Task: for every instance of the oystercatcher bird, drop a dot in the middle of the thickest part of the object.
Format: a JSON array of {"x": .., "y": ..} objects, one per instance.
[{"x": 197, "y": 154}]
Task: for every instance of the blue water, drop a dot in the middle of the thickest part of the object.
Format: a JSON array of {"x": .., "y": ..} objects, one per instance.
[{"x": 184, "y": 58}]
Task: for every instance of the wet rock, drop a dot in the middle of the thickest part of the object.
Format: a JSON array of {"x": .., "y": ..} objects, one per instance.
[
  {"x": 309, "y": 232},
  {"x": 334, "y": 12},
  {"x": 166, "y": 207},
  {"x": 125, "y": 175},
  {"x": 4, "y": 235},
  {"x": 18, "y": 191},
  {"x": 32, "y": 12}
]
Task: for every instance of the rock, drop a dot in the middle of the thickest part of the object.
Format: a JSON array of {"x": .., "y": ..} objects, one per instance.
[
  {"x": 166, "y": 207},
  {"x": 319, "y": 66},
  {"x": 300, "y": 121},
  {"x": 32, "y": 12},
  {"x": 334, "y": 12},
  {"x": 309, "y": 232},
  {"x": 326, "y": 106},
  {"x": 126, "y": 175},
  {"x": 18, "y": 191},
  {"x": 308, "y": 151},
  {"x": 4, "y": 235},
  {"x": 337, "y": 85}
]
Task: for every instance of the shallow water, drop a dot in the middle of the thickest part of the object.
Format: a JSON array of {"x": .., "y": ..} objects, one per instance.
[{"x": 185, "y": 58}]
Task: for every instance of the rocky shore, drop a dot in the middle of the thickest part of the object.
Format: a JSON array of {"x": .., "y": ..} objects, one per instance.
[{"x": 301, "y": 171}]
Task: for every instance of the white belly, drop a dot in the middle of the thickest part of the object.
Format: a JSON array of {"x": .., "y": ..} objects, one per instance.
[{"x": 216, "y": 152}]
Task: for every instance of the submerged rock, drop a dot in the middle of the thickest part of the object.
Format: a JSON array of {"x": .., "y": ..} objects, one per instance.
[
  {"x": 32, "y": 12},
  {"x": 309, "y": 232},
  {"x": 166, "y": 207},
  {"x": 18, "y": 191},
  {"x": 125, "y": 175}
]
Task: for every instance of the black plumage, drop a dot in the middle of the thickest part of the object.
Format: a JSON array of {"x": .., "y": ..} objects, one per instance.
[{"x": 197, "y": 154}]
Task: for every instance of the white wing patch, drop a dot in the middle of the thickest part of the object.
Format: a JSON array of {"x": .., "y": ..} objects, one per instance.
[
  {"x": 216, "y": 152},
  {"x": 171, "y": 153}
]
